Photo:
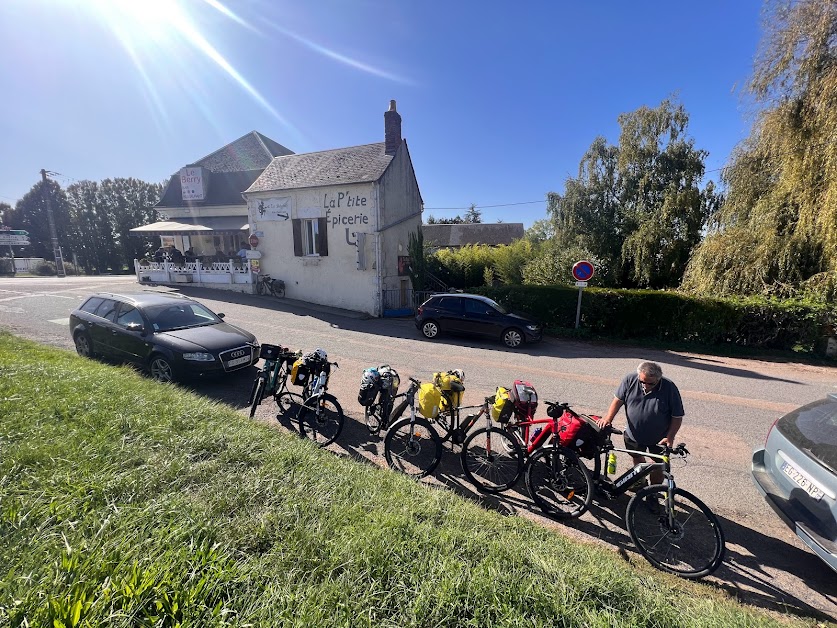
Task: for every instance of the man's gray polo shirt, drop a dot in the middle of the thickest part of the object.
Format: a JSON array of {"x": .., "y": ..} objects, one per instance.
[{"x": 649, "y": 416}]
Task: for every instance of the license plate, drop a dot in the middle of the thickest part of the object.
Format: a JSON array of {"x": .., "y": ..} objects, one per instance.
[
  {"x": 802, "y": 481},
  {"x": 238, "y": 361}
]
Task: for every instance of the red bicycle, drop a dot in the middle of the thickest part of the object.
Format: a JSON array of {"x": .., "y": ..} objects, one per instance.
[{"x": 558, "y": 482}]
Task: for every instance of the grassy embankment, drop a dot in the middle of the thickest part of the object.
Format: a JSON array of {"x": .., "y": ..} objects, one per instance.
[{"x": 125, "y": 503}]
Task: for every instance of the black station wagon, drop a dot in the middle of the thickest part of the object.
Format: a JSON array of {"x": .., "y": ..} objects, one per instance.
[
  {"x": 475, "y": 315},
  {"x": 169, "y": 335}
]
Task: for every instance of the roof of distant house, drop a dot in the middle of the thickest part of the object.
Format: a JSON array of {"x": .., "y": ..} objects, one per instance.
[
  {"x": 232, "y": 169},
  {"x": 493, "y": 234},
  {"x": 252, "y": 151},
  {"x": 356, "y": 164}
]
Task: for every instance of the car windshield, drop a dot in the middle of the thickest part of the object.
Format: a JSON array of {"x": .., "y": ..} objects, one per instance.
[
  {"x": 179, "y": 316},
  {"x": 813, "y": 428},
  {"x": 497, "y": 306}
]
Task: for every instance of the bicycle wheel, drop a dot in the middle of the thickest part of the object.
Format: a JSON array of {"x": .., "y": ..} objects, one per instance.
[
  {"x": 260, "y": 287},
  {"x": 414, "y": 448},
  {"x": 492, "y": 460},
  {"x": 288, "y": 403},
  {"x": 559, "y": 483},
  {"x": 256, "y": 395},
  {"x": 277, "y": 288},
  {"x": 321, "y": 419},
  {"x": 691, "y": 546}
]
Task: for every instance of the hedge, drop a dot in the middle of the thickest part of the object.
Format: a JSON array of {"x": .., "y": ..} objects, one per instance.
[{"x": 674, "y": 316}]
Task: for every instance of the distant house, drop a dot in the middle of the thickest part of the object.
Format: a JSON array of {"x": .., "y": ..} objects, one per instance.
[
  {"x": 202, "y": 208},
  {"x": 457, "y": 236}
]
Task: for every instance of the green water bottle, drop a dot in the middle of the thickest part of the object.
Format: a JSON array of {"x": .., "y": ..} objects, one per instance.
[{"x": 611, "y": 463}]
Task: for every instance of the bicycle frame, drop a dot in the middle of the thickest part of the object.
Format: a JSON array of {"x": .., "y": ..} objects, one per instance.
[{"x": 621, "y": 484}]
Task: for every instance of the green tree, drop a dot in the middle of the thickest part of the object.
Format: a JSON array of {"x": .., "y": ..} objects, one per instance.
[
  {"x": 418, "y": 259},
  {"x": 541, "y": 230},
  {"x": 776, "y": 232},
  {"x": 30, "y": 213},
  {"x": 473, "y": 215},
  {"x": 638, "y": 206}
]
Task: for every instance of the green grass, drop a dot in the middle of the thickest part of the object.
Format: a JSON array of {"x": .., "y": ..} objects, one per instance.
[{"x": 126, "y": 503}]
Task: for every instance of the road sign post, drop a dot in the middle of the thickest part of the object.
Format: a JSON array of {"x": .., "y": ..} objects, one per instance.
[{"x": 582, "y": 272}]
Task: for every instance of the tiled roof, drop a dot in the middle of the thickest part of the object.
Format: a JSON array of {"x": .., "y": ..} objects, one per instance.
[
  {"x": 224, "y": 188},
  {"x": 253, "y": 151},
  {"x": 356, "y": 164},
  {"x": 472, "y": 233}
]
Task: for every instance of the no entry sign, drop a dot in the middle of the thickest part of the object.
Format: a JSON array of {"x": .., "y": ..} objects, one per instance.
[{"x": 583, "y": 270}]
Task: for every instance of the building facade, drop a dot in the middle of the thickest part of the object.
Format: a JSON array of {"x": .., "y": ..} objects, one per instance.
[{"x": 335, "y": 225}]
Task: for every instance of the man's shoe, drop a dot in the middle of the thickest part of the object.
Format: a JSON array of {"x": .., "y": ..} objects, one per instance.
[{"x": 652, "y": 504}]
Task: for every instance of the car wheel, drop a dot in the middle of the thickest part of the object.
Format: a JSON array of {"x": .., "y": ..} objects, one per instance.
[
  {"x": 513, "y": 338},
  {"x": 84, "y": 346},
  {"x": 430, "y": 329},
  {"x": 161, "y": 369}
]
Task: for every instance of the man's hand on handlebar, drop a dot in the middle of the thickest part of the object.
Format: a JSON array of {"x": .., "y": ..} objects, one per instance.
[{"x": 603, "y": 422}]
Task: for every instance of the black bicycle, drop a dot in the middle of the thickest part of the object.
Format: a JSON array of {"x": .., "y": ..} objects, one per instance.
[
  {"x": 674, "y": 530},
  {"x": 272, "y": 379},
  {"x": 320, "y": 416},
  {"x": 266, "y": 285},
  {"x": 412, "y": 445}
]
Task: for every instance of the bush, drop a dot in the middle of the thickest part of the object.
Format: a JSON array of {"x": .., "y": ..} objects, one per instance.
[
  {"x": 674, "y": 316},
  {"x": 45, "y": 269},
  {"x": 7, "y": 266}
]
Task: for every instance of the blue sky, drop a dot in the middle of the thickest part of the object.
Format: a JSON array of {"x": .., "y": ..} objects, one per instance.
[{"x": 499, "y": 100}]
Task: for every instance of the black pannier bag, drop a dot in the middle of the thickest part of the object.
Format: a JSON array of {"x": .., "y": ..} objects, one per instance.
[{"x": 370, "y": 385}]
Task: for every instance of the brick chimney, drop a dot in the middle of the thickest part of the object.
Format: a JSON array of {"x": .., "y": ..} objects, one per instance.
[{"x": 392, "y": 129}]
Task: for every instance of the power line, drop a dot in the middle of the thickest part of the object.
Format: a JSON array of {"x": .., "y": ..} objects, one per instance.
[{"x": 485, "y": 206}]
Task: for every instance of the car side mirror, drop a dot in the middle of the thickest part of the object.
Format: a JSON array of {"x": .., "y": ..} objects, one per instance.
[
  {"x": 135, "y": 327},
  {"x": 221, "y": 315}
]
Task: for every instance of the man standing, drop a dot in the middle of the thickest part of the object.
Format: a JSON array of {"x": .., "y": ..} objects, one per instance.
[{"x": 654, "y": 411}]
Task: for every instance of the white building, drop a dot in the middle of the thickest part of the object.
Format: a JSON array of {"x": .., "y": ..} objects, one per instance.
[{"x": 333, "y": 225}]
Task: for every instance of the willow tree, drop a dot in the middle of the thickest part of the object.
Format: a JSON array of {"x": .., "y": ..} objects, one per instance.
[
  {"x": 639, "y": 205},
  {"x": 776, "y": 233}
]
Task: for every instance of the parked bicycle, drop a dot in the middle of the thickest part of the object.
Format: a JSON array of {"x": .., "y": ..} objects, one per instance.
[
  {"x": 378, "y": 388},
  {"x": 412, "y": 444},
  {"x": 674, "y": 530},
  {"x": 493, "y": 460},
  {"x": 320, "y": 416},
  {"x": 266, "y": 285},
  {"x": 272, "y": 379}
]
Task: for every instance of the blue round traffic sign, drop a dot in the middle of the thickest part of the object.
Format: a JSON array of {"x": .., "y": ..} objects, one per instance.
[{"x": 583, "y": 270}]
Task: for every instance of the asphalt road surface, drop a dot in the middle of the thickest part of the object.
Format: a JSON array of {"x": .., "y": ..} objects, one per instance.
[{"x": 730, "y": 405}]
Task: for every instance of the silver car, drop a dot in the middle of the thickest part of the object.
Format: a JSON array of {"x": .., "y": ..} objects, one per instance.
[{"x": 796, "y": 472}]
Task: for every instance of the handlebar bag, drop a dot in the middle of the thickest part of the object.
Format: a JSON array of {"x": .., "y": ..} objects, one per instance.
[{"x": 525, "y": 399}]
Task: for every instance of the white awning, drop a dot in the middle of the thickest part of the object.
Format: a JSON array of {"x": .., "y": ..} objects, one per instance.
[{"x": 197, "y": 226}]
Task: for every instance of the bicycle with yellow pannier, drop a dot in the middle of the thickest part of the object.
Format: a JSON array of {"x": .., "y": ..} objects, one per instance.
[{"x": 413, "y": 443}]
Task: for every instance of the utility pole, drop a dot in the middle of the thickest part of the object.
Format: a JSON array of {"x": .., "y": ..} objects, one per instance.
[{"x": 56, "y": 249}]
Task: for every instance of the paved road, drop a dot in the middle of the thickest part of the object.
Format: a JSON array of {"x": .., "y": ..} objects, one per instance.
[{"x": 730, "y": 405}]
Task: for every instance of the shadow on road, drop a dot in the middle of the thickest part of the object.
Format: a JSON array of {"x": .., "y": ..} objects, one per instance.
[{"x": 751, "y": 561}]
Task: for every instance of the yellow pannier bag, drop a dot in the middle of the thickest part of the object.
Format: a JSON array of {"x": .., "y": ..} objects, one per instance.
[
  {"x": 502, "y": 408},
  {"x": 429, "y": 401}
]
